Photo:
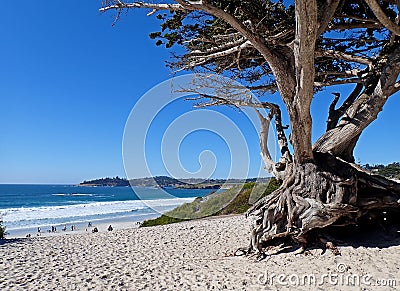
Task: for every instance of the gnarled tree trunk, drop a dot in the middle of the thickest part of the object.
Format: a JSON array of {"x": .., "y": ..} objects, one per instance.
[
  {"x": 321, "y": 186},
  {"x": 329, "y": 191}
]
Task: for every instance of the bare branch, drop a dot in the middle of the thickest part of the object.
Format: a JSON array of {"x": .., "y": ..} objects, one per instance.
[
  {"x": 332, "y": 111},
  {"x": 344, "y": 74},
  {"x": 396, "y": 88},
  {"x": 220, "y": 54},
  {"x": 338, "y": 82},
  {"x": 344, "y": 16},
  {"x": 326, "y": 15},
  {"x": 274, "y": 112},
  {"x": 343, "y": 56},
  {"x": 120, "y": 5},
  {"x": 268, "y": 88},
  {"x": 382, "y": 17},
  {"x": 361, "y": 25},
  {"x": 335, "y": 114},
  {"x": 286, "y": 157},
  {"x": 365, "y": 109},
  {"x": 224, "y": 46},
  {"x": 265, "y": 154}
]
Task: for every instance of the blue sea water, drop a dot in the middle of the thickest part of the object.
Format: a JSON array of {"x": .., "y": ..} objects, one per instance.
[{"x": 33, "y": 206}]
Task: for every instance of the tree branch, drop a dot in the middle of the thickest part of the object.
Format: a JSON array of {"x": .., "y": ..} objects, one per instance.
[
  {"x": 382, "y": 17},
  {"x": 363, "y": 25},
  {"x": 396, "y": 88},
  {"x": 343, "y": 56},
  {"x": 222, "y": 47},
  {"x": 335, "y": 114},
  {"x": 224, "y": 53},
  {"x": 276, "y": 62},
  {"x": 278, "y": 169},
  {"x": 365, "y": 109},
  {"x": 118, "y": 5},
  {"x": 338, "y": 82},
  {"x": 265, "y": 154},
  {"x": 326, "y": 15}
]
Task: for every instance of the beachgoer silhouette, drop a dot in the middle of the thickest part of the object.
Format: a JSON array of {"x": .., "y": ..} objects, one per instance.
[
  {"x": 95, "y": 230},
  {"x": 110, "y": 228},
  {"x": 38, "y": 229},
  {"x": 89, "y": 224}
]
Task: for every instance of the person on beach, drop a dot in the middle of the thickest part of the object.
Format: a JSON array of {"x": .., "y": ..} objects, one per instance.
[
  {"x": 95, "y": 230},
  {"x": 110, "y": 228},
  {"x": 89, "y": 224},
  {"x": 38, "y": 229},
  {"x": 64, "y": 228}
]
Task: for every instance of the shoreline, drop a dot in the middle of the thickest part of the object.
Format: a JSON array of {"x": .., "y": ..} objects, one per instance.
[{"x": 102, "y": 225}]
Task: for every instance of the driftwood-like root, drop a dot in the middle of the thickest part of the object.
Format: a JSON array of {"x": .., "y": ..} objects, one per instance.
[{"x": 315, "y": 196}]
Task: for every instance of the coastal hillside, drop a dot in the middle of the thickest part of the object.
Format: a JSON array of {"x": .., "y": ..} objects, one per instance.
[
  {"x": 390, "y": 171},
  {"x": 113, "y": 182},
  {"x": 165, "y": 181},
  {"x": 236, "y": 200}
]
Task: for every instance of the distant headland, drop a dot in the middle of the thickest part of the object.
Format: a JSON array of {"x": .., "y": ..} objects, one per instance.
[
  {"x": 390, "y": 171},
  {"x": 165, "y": 181}
]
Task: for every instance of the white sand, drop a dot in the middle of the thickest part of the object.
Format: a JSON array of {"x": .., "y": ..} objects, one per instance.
[{"x": 183, "y": 256}]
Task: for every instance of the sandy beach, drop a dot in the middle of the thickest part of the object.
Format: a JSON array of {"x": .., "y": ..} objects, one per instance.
[{"x": 188, "y": 256}]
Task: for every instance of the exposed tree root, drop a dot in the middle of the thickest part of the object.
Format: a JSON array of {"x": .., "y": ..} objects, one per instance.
[{"x": 315, "y": 196}]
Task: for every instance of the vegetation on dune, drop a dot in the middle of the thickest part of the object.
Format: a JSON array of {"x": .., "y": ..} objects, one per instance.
[
  {"x": 236, "y": 200},
  {"x": 250, "y": 194},
  {"x": 163, "y": 219}
]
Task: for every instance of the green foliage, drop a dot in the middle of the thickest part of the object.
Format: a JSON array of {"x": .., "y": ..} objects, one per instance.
[
  {"x": 390, "y": 171},
  {"x": 163, "y": 219},
  {"x": 2, "y": 230},
  {"x": 198, "y": 33},
  {"x": 249, "y": 185},
  {"x": 116, "y": 181},
  {"x": 250, "y": 193},
  {"x": 205, "y": 206},
  {"x": 236, "y": 200}
]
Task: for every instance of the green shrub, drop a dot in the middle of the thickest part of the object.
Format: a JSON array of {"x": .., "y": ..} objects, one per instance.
[
  {"x": 163, "y": 219},
  {"x": 249, "y": 194},
  {"x": 236, "y": 200}
]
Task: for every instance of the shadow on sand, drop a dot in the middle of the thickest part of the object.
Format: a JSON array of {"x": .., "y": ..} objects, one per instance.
[
  {"x": 13, "y": 240},
  {"x": 381, "y": 231}
]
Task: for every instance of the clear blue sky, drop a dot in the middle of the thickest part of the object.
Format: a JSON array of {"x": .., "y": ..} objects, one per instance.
[{"x": 68, "y": 81}]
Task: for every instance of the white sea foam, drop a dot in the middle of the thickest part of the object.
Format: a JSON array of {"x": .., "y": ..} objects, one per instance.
[
  {"x": 30, "y": 216},
  {"x": 72, "y": 194}
]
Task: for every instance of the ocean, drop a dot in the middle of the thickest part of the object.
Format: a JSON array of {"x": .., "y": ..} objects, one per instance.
[{"x": 24, "y": 208}]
